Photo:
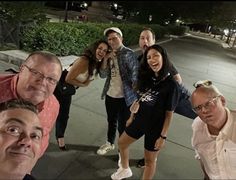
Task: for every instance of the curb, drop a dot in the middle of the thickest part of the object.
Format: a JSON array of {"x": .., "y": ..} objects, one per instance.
[
  {"x": 17, "y": 60},
  {"x": 223, "y": 44},
  {"x": 17, "y": 57}
]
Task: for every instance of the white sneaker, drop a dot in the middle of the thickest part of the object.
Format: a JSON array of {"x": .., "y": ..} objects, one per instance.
[
  {"x": 105, "y": 148},
  {"x": 122, "y": 173}
]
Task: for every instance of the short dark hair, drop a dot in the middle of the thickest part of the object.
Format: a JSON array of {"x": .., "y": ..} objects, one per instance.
[
  {"x": 151, "y": 30},
  {"x": 112, "y": 31},
  {"x": 47, "y": 55},
  {"x": 18, "y": 103}
]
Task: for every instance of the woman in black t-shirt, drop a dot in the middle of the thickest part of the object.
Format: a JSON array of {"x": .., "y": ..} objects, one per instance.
[{"x": 159, "y": 94}]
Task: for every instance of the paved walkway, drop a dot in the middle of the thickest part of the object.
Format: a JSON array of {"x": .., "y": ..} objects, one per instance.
[{"x": 216, "y": 38}]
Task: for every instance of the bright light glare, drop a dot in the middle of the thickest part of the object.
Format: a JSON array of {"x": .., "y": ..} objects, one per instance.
[
  {"x": 226, "y": 31},
  {"x": 115, "y": 5}
]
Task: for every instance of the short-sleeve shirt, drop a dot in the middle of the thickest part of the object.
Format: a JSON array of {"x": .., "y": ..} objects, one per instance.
[
  {"x": 218, "y": 153},
  {"x": 153, "y": 106}
]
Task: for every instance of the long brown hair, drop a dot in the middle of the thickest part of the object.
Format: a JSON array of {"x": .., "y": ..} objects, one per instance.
[{"x": 90, "y": 54}]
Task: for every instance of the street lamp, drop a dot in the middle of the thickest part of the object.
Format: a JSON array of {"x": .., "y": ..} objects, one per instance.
[
  {"x": 66, "y": 12},
  {"x": 150, "y": 18},
  {"x": 115, "y": 5}
]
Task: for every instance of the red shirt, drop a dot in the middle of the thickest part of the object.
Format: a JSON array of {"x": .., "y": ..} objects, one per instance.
[{"x": 48, "y": 110}]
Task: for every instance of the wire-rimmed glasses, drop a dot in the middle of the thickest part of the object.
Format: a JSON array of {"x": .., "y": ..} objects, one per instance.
[{"x": 39, "y": 75}]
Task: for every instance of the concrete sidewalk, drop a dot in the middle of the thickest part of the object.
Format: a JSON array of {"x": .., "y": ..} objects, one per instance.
[
  {"x": 210, "y": 37},
  {"x": 86, "y": 131}
]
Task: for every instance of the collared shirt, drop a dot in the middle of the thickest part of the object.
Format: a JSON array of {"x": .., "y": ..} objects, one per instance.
[
  {"x": 218, "y": 153},
  {"x": 128, "y": 67},
  {"x": 48, "y": 110}
]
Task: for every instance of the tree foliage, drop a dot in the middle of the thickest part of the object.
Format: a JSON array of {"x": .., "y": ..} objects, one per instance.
[
  {"x": 218, "y": 13},
  {"x": 22, "y": 11},
  {"x": 224, "y": 15}
]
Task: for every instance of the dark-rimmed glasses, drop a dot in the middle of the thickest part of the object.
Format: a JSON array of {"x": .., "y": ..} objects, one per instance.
[
  {"x": 39, "y": 75},
  {"x": 208, "y": 105}
]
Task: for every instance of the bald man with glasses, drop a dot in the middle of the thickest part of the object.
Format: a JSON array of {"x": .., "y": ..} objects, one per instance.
[
  {"x": 214, "y": 132},
  {"x": 36, "y": 82}
]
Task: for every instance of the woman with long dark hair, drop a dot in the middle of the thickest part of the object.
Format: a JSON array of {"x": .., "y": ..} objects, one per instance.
[
  {"x": 80, "y": 74},
  {"x": 151, "y": 113}
]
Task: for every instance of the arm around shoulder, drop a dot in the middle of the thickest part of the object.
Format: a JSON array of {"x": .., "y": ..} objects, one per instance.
[{"x": 103, "y": 71}]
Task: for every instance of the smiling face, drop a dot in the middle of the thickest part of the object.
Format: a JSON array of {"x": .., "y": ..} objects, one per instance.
[
  {"x": 114, "y": 40},
  {"x": 101, "y": 51},
  {"x": 36, "y": 88},
  {"x": 146, "y": 39},
  {"x": 154, "y": 60},
  {"x": 20, "y": 142}
]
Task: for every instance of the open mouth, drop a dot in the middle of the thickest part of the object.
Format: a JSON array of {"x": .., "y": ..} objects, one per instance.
[
  {"x": 100, "y": 57},
  {"x": 155, "y": 65},
  {"x": 145, "y": 47}
]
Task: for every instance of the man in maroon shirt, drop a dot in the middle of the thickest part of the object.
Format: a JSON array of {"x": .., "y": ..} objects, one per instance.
[{"x": 36, "y": 82}]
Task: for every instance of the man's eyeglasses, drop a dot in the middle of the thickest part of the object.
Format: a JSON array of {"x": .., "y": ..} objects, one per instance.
[
  {"x": 39, "y": 75},
  {"x": 202, "y": 83},
  {"x": 208, "y": 105}
]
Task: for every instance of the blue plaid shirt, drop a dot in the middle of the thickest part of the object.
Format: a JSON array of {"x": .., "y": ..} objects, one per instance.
[{"x": 128, "y": 67}]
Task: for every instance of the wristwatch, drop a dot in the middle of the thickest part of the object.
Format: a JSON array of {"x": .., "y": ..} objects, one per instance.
[{"x": 163, "y": 137}]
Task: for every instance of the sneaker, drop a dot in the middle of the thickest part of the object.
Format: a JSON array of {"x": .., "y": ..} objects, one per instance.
[
  {"x": 141, "y": 163},
  {"x": 122, "y": 173},
  {"x": 105, "y": 148}
]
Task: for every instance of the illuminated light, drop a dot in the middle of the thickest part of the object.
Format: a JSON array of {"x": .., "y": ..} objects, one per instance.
[
  {"x": 150, "y": 18},
  {"x": 115, "y": 5},
  {"x": 226, "y": 32}
]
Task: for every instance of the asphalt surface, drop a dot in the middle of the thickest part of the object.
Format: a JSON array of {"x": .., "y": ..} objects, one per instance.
[{"x": 201, "y": 58}]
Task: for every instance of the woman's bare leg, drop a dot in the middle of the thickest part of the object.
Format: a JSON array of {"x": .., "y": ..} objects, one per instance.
[
  {"x": 124, "y": 141},
  {"x": 150, "y": 164}
]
